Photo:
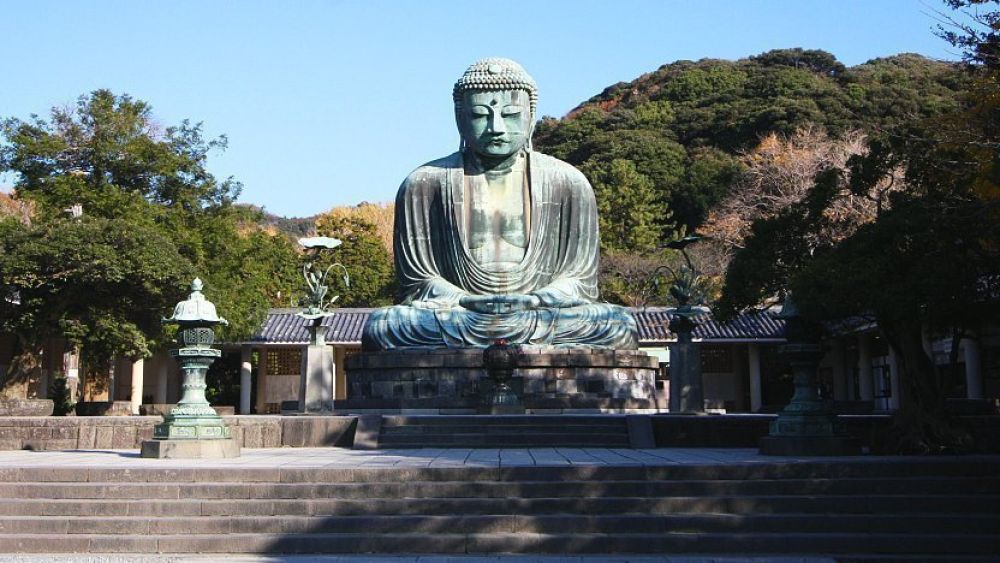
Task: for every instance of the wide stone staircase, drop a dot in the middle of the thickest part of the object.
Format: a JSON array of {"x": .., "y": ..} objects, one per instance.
[
  {"x": 857, "y": 509},
  {"x": 604, "y": 431}
]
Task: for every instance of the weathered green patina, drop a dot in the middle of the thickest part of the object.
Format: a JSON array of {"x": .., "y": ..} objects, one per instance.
[
  {"x": 497, "y": 241},
  {"x": 193, "y": 417}
]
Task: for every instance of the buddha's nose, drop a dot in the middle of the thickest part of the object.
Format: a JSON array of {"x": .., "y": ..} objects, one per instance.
[{"x": 497, "y": 126}]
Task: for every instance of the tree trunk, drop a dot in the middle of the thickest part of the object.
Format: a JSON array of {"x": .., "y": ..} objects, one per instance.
[{"x": 922, "y": 424}]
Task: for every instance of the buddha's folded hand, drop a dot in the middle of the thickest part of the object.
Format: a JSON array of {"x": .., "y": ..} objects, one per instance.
[{"x": 499, "y": 304}]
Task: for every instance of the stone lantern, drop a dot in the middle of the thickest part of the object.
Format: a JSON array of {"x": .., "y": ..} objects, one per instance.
[
  {"x": 193, "y": 429},
  {"x": 807, "y": 425}
]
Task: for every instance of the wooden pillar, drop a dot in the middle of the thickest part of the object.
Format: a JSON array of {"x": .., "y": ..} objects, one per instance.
[
  {"x": 261, "y": 380},
  {"x": 973, "y": 368},
  {"x": 71, "y": 367},
  {"x": 895, "y": 392},
  {"x": 740, "y": 378},
  {"x": 840, "y": 371},
  {"x": 865, "y": 367},
  {"x": 162, "y": 379},
  {"x": 753, "y": 355},
  {"x": 136, "y": 385},
  {"x": 246, "y": 369}
]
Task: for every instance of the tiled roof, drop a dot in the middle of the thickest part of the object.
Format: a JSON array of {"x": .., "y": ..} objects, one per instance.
[
  {"x": 283, "y": 326},
  {"x": 654, "y": 325}
]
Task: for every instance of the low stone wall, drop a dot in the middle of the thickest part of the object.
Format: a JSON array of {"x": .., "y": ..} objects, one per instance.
[{"x": 128, "y": 432}]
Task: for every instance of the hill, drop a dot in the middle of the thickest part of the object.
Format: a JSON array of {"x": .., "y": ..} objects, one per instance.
[{"x": 684, "y": 125}]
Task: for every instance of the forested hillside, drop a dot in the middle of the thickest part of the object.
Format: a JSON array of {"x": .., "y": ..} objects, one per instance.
[{"x": 684, "y": 126}]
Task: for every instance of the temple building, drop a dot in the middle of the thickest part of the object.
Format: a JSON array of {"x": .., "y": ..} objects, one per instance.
[{"x": 741, "y": 367}]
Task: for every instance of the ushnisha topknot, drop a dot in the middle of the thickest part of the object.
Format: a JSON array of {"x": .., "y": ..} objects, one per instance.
[{"x": 496, "y": 74}]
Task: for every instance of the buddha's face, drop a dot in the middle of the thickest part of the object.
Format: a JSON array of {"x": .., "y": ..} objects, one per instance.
[{"x": 495, "y": 124}]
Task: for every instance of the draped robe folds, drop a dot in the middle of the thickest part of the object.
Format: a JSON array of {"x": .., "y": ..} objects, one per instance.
[{"x": 435, "y": 268}]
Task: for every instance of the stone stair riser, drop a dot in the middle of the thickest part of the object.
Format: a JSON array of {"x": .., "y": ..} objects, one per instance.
[
  {"x": 550, "y": 524},
  {"x": 884, "y": 544},
  {"x": 445, "y": 489},
  {"x": 841, "y": 504}
]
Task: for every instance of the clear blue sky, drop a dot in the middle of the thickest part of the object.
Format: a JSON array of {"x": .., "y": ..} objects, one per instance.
[{"x": 333, "y": 102}]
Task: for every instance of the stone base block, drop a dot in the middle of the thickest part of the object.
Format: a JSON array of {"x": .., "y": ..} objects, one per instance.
[
  {"x": 810, "y": 445},
  {"x": 190, "y": 449},
  {"x": 191, "y": 428},
  {"x": 501, "y": 409},
  {"x": 546, "y": 378},
  {"x": 26, "y": 407}
]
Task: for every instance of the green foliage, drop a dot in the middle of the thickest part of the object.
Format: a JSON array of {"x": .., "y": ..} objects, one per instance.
[
  {"x": 372, "y": 283},
  {"x": 629, "y": 217},
  {"x": 708, "y": 173},
  {"x": 222, "y": 382},
  {"x": 153, "y": 218},
  {"x": 819, "y": 62},
  {"x": 247, "y": 270},
  {"x": 102, "y": 284},
  {"x": 109, "y": 154},
  {"x": 683, "y": 125},
  {"x": 60, "y": 396}
]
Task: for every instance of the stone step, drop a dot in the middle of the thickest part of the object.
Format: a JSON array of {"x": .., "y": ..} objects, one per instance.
[
  {"x": 482, "y": 543},
  {"x": 970, "y": 466},
  {"x": 506, "y": 421},
  {"x": 502, "y": 430},
  {"x": 551, "y": 524},
  {"x": 521, "y": 440},
  {"x": 511, "y": 431},
  {"x": 926, "y": 486},
  {"x": 978, "y": 504}
]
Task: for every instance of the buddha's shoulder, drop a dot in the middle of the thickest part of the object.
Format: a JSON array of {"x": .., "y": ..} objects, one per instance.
[
  {"x": 429, "y": 176},
  {"x": 435, "y": 169},
  {"x": 557, "y": 168}
]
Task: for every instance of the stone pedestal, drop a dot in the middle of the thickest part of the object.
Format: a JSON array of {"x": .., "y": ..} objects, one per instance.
[
  {"x": 547, "y": 380},
  {"x": 188, "y": 449},
  {"x": 191, "y": 427},
  {"x": 687, "y": 395},
  {"x": 316, "y": 391}
]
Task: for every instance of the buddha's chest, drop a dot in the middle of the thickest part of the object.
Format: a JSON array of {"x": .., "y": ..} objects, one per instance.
[{"x": 497, "y": 212}]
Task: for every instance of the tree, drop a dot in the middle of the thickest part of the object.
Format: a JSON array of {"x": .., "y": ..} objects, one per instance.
[
  {"x": 153, "y": 218},
  {"x": 372, "y": 282},
  {"x": 637, "y": 280},
  {"x": 101, "y": 284},
  {"x": 928, "y": 262},
  {"x": 247, "y": 269},
  {"x": 380, "y": 215},
  {"x": 629, "y": 218},
  {"x": 780, "y": 172}
]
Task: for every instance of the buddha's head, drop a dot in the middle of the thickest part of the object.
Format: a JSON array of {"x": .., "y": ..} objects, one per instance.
[{"x": 495, "y": 107}]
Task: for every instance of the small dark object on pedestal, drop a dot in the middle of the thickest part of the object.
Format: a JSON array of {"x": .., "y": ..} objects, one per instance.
[{"x": 500, "y": 359}]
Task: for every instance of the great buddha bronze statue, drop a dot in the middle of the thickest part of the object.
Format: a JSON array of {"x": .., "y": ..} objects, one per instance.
[{"x": 496, "y": 240}]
